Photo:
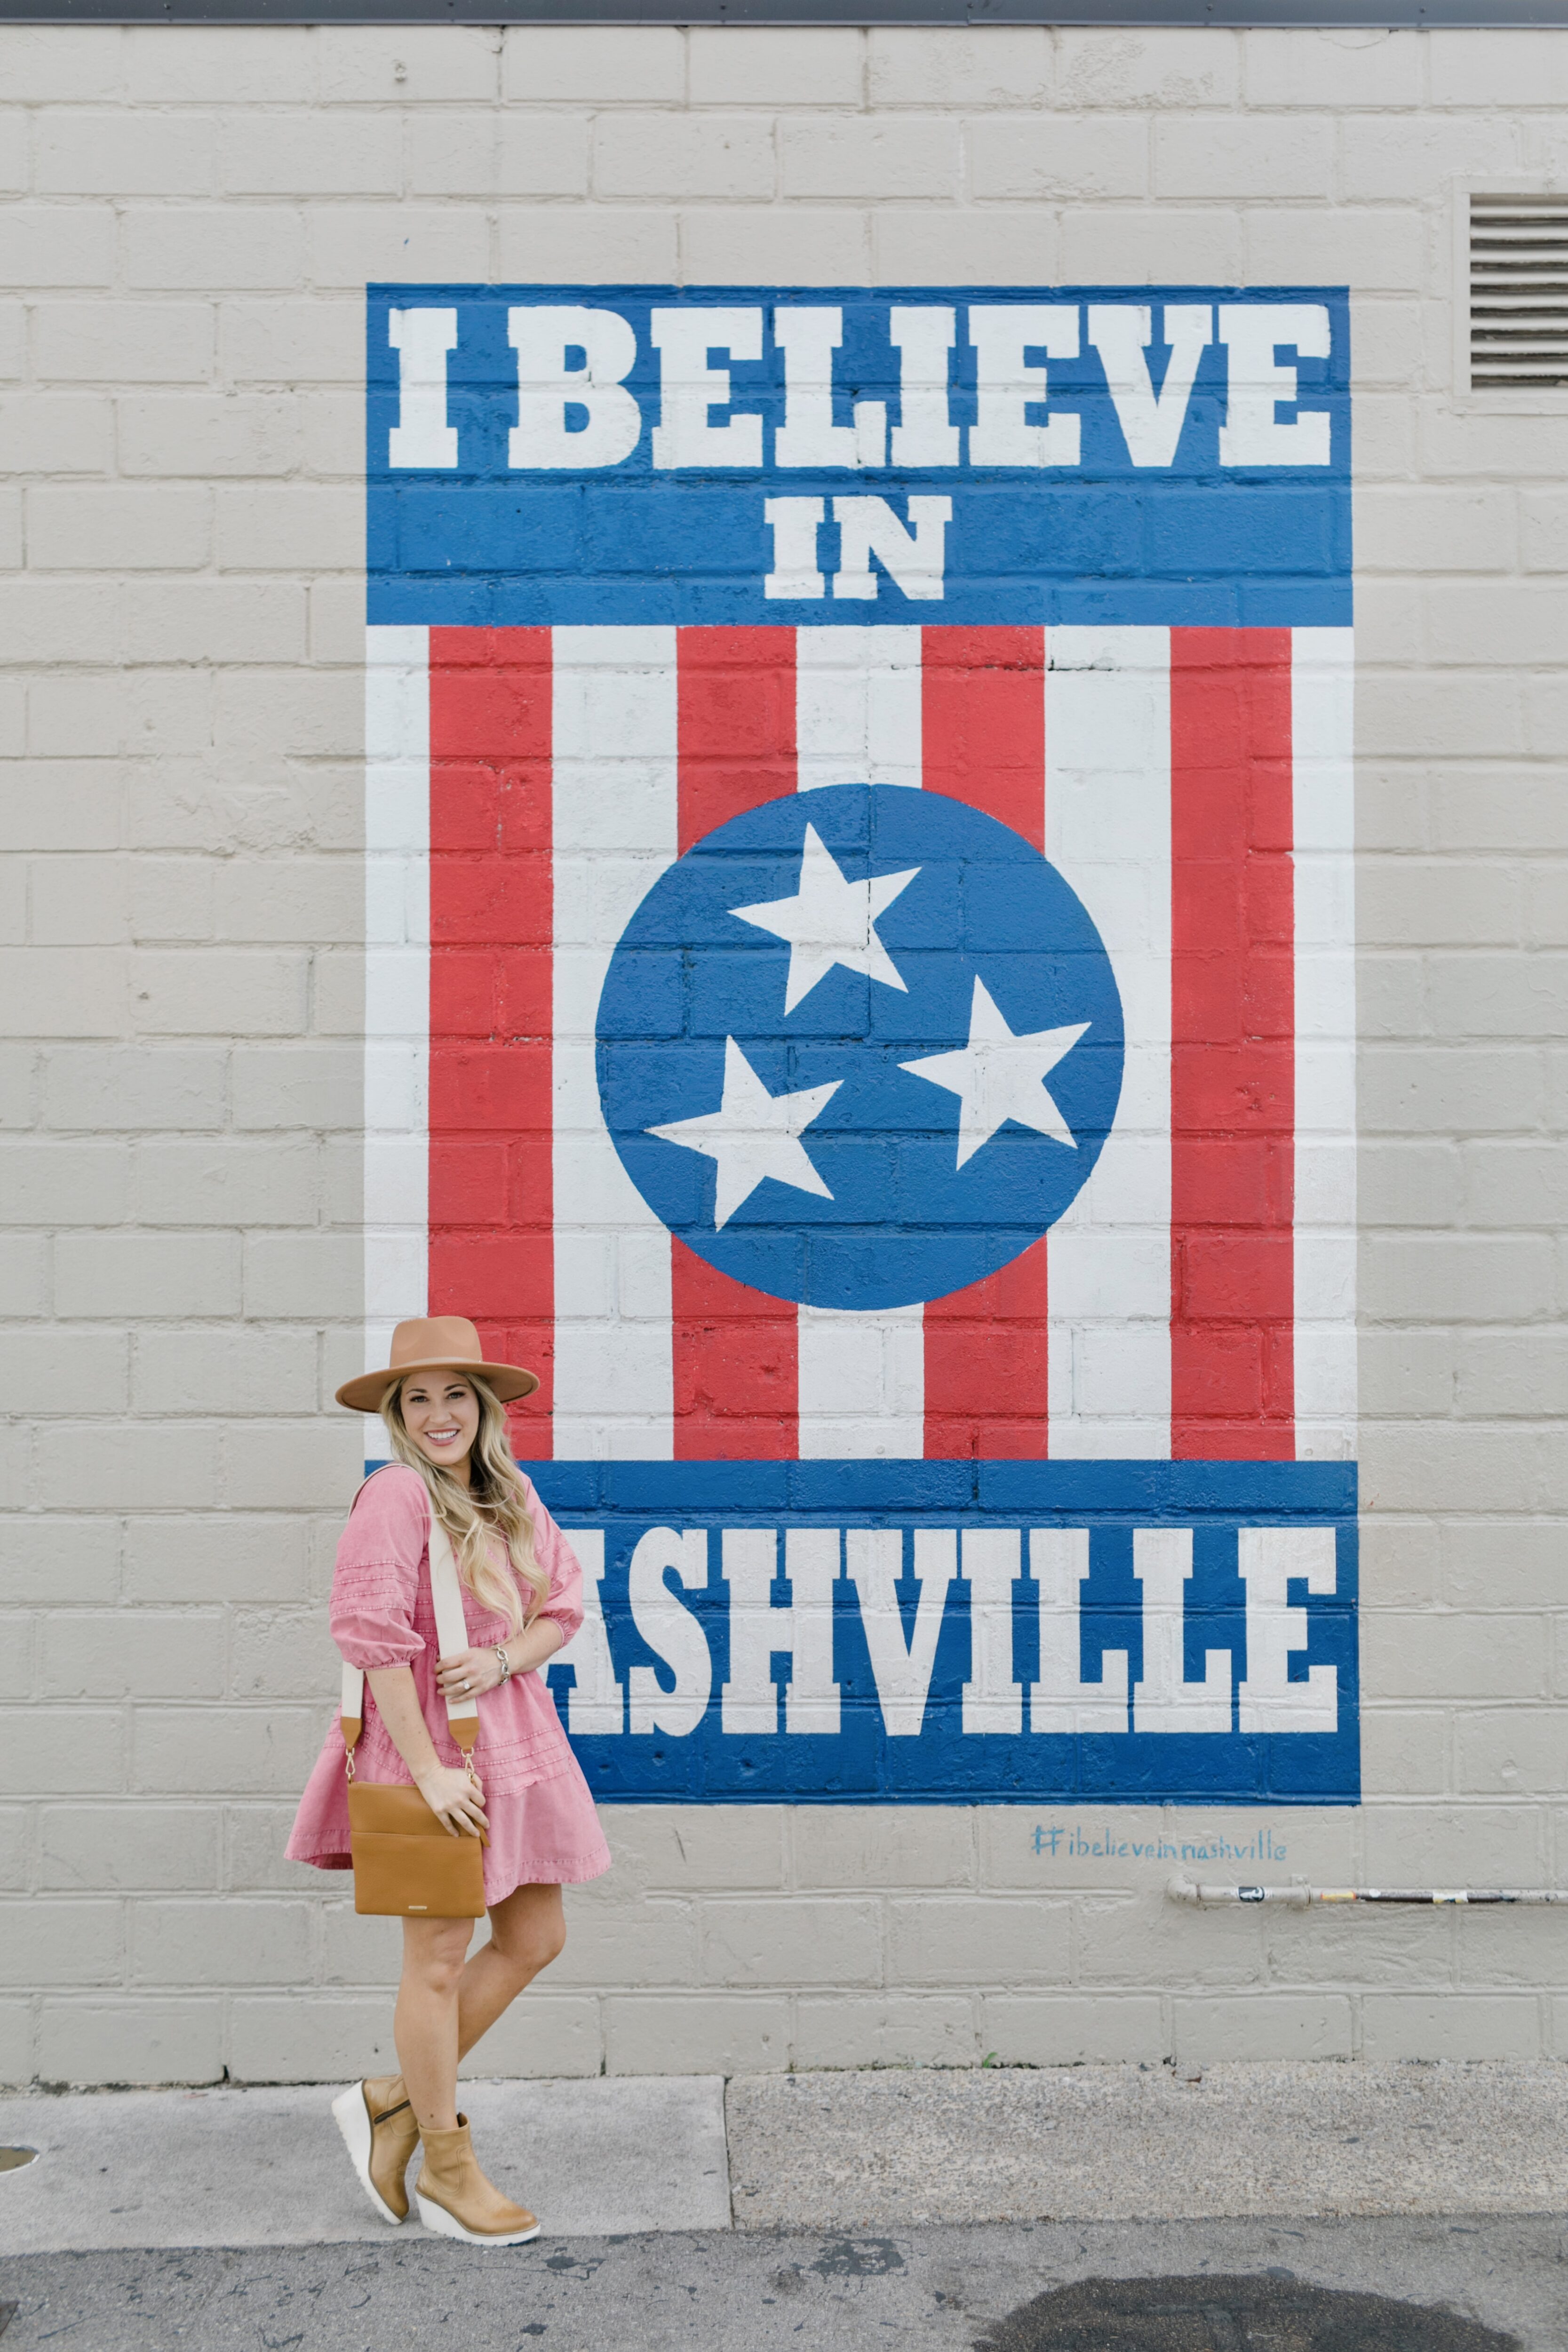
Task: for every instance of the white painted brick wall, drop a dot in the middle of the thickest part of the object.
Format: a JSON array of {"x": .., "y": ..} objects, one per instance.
[{"x": 186, "y": 219}]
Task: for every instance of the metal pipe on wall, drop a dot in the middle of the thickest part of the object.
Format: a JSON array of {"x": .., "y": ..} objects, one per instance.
[{"x": 1186, "y": 1890}]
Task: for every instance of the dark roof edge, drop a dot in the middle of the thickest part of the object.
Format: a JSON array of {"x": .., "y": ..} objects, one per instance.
[{"x": 1392, "y": 15}]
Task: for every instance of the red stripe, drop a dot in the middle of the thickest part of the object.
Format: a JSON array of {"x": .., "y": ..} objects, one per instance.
[
  {"x": 737, "y": 1366},
  {"x": 737, "y": 1380},
  {"x": 491, "y": 1253},
  {"x": 983, "y": 720},
  {"x": 736, "y": 724},
  {"x": 1232, "y": 1045}
]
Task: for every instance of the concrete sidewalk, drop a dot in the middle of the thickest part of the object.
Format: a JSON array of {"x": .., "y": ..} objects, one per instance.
[
  {"x": 861, "y": 2152},
  {"x": 1111, "y": 2143},
  {"x": 266, "y": 2168}
]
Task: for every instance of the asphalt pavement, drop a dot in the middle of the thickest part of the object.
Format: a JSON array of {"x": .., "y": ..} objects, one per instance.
[{"x": 939, "y": 2289}]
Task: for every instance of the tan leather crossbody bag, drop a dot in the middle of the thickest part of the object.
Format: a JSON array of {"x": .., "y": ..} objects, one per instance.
[{"x": 407, "y": 1863}]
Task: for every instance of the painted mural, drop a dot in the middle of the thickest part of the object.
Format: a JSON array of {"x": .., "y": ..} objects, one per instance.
[{"x": 860, "y": 996}]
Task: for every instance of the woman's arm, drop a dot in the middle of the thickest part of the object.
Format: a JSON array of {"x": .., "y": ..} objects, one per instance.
[
  {"x": 531, "y": 1648},
  {"x": 467, "y": 1674},
  {"x": 449, "y": 1793}
]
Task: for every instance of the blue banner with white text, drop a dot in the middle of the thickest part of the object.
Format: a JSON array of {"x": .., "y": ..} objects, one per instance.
[
  {"x": 958, "y": 1632},
  {"x": 739, "y": 455}
]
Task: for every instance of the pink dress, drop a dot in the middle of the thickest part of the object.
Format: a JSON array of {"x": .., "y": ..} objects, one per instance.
[{"x": 543, "y": 1830}]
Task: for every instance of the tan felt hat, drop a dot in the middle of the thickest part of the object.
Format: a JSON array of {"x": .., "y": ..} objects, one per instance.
[{"x": 437, "y": 1343}]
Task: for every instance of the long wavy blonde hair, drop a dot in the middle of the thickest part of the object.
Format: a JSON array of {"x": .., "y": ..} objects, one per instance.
[{"x": 495, "y": 1499}]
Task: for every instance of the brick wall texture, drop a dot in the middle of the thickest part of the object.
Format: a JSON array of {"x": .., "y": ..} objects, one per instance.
[{"x": 187, "y": 220}]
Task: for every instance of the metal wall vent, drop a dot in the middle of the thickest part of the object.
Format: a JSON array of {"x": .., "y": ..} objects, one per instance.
[{"x": 1518, "y": 292}]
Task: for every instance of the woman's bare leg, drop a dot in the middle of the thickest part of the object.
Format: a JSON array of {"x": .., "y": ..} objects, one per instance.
[
  {"x": 527, "y": 1932},
  {"x": 425, "y": 2023}
]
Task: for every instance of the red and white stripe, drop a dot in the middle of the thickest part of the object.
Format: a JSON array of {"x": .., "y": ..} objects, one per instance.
[{"x": 526, "y": 787}]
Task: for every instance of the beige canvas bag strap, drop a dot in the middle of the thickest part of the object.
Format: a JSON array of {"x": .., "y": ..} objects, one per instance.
[{"x": 451, "y": 1636}]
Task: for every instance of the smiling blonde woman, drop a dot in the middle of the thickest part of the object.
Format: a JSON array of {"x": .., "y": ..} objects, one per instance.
[{"x": 444, "y": 1407}]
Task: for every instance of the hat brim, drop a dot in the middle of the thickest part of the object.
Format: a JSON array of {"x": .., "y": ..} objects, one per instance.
[{"x": 366, "y": 1394}]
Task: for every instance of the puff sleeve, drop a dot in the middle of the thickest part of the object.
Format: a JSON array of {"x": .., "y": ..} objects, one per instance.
[
  {"x": 560, "y": 1562},
  {"x": 377, "y": 1573}
]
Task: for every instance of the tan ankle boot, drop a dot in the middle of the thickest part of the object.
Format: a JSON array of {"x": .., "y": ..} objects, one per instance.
[
  {"x": 457, "y": 2201},
  {"x": 379, "y": 2130}
]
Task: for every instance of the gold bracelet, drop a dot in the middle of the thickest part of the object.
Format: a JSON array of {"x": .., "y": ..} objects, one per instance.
[{"x": 505, "y": 1664}]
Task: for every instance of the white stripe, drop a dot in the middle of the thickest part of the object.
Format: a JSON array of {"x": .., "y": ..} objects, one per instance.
[
  {"x": 858, "y": 721},
  {"x": 857, "y": 707},
  {"x": 615, "y": 807},
  {"x": 397, "y": 982},
  {"x": 862, "y": 1382},
  {"x": 1107, "y": 829},
  {"x": 1322, "y": 691}
]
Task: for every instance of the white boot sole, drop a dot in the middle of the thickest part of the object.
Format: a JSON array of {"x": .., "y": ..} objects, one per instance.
[
  {"x": 354, "y": 2121},
  {"x": 447, "y": 2225}
]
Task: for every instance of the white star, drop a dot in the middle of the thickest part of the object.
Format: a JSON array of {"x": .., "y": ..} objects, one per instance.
[
  {"x": 1000, "y": 1076},
  {"x": 752, "y": 1135},
  {"x": 830, "y": 920}
]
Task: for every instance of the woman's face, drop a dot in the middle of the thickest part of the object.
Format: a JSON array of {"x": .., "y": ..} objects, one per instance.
[{"x": 441, "y": 1415}]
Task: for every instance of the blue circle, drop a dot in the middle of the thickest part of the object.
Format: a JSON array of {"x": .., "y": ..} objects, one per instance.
[{"x": 905, "y": 1220}]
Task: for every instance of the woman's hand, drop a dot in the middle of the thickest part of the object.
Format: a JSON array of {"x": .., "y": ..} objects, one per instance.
[
  {"x": 467, "y": 1674},
  {"x": 455, "y": 1799}
]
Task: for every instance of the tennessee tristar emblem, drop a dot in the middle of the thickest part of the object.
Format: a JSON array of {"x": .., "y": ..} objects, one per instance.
[{"x": 886, "y": 1001}]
